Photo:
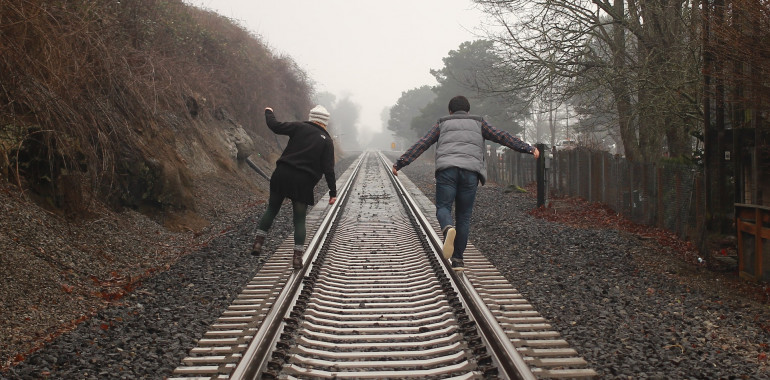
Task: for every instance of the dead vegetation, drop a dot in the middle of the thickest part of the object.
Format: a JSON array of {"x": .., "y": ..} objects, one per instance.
[
  {"x": 124, "y": 126},
  {"x": 100, "y": 100}
]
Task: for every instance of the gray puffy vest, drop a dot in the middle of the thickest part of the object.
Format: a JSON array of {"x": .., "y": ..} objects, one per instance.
[{"x": 461, "y": 144}]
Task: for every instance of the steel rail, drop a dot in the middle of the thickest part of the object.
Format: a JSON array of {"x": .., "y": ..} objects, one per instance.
[
  {"x": 257, "y": 355},
  {"x": 369, "y": 302},
  {"x": 510, "y": 363}
]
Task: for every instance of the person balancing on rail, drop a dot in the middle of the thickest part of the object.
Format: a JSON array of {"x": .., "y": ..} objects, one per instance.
[
  {"x": 460, "y": 166},
  {"x": 308, "y": 155}
]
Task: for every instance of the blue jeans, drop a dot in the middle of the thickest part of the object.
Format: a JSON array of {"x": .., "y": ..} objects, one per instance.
[{"x": 455, "y": 186}]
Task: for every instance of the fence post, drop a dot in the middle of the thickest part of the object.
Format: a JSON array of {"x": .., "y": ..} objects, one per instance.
[
  {"x": 517, "y": 179},
  {"x": 513, "y": 165},
  {"x": 590, "y": 175},
  {"x": 660, "y": 197},
  {"x": 562, "y": 173},
  {"x": 604, "y": 178},
  {"x": 577, "y": 172},
  {"x": 631, "y": 192},
  {"x": 644, "y": 198},
  {"x": 540, "y": 175},
  {"x": 678, "y": 210},
  {"x": 554, "y": 181}
]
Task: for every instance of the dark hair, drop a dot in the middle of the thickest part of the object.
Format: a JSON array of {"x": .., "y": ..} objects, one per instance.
[{"x": 459, "y": 103}]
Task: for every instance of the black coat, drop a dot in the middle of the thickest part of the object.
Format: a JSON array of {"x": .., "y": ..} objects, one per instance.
[{"x": 310, "y": 148}]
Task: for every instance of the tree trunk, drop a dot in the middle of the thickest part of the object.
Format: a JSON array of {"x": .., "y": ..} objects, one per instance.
[{"x": 620, "y": 87}]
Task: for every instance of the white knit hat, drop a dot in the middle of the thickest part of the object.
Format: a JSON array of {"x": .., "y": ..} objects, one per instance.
[{"x": 319, "y": 114}]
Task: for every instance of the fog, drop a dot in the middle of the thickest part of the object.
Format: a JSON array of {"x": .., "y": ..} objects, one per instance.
[{"x": 369, "y": 51}]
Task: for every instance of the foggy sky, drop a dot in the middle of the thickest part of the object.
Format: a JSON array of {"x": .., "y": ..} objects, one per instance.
[{"x": 371, "y": 50}]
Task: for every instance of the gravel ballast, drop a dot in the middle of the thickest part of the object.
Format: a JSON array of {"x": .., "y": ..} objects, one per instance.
[{"x": 630, "y": 308}]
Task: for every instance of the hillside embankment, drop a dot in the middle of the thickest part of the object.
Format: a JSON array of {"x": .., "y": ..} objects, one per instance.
[{"x": 128, "y": 132}]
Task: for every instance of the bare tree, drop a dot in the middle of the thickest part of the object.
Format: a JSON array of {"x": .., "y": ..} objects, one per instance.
[{"x": 641, "y": 52}]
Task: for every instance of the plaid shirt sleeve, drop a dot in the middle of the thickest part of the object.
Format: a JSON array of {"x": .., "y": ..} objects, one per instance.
[
  {"x": 418, "y": 148},
  {"x": 502, "y": 137}
]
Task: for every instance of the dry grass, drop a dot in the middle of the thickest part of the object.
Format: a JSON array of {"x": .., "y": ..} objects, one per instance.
[{"x": 96, "y": 89}]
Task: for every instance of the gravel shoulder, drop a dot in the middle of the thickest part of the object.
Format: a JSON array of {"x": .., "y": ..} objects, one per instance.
[
  {"x": 632, "y": 308},
  {"x": 119, "y": 295}
]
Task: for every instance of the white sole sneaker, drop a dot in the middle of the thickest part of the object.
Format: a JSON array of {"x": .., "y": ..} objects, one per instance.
[{"x": 449, "y": 244}]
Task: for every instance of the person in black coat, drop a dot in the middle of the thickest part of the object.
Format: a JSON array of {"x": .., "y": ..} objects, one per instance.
[{"x": 309, "y": 154}]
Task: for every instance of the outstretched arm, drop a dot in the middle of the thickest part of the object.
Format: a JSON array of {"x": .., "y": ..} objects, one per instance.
[
  {"x": 503, "y": 137},
  {"x": 281, "y": 128},
  {"x": 417, "y": 149}
]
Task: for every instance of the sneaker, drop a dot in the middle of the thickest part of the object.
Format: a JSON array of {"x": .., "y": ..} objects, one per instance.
[
  {"x": 449, "y": 242},
  {"x": 256, "y": 249},
  {"x": 458, "y": 265},
  {"x": 296, "y": 260}
]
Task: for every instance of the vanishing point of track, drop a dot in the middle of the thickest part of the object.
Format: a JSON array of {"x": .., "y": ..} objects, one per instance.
[{"x": 375, "y": 300}]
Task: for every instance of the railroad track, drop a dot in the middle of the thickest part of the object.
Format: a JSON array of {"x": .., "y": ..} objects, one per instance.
[{"x": 375, "y": 300}]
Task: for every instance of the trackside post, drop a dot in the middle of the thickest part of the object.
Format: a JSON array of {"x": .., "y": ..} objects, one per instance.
[{"x": 540, "y": 175}]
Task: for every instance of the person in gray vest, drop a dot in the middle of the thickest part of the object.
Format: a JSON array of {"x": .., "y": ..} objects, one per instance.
[{"x": 460, "y": 166}]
